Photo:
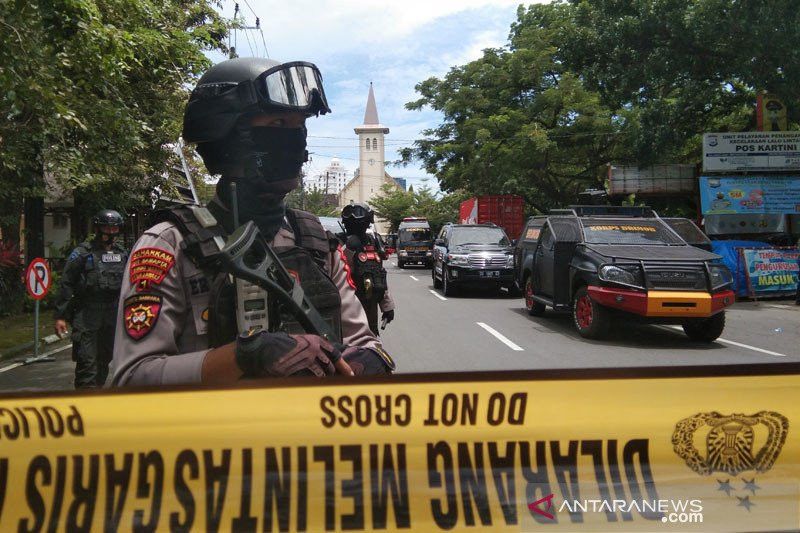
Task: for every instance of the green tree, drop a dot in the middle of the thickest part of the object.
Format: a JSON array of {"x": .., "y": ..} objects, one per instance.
[
  {"x": 93, "y": 91},
  {"x": 583, "y": 83},
  {"x": 314, "y": 201},
  {"x": 392, "y": 205},
  {"x": 672, "y": 70}
]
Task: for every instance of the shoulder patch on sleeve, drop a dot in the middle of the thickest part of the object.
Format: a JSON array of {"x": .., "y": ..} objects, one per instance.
[
  {"x": 141, "y": 314},
  {"x": 149, "y": 266}
]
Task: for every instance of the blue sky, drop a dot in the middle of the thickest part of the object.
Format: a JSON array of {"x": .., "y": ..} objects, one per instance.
[{"x": 393, "y": 44}]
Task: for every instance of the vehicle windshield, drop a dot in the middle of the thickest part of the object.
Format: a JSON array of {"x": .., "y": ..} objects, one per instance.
[
  {"x": 687, "y": 230},
  {"x": 463, "y": 236},
  {"x": 414, "y": 235},
  {"x": 626, "y": 231}
]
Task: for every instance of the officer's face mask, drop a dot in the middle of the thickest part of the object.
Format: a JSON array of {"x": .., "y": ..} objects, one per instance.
[
  {"x": 278, "y": 155},
  {"x": 107, "y": 234}
]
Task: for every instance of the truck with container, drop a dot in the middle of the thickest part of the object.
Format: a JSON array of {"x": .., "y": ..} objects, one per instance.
[{"x": 504, "y": 210}]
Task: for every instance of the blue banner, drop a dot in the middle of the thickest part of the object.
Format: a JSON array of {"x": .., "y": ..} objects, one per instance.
[
  {"x": 753, "y": 194},
  {"x": 772, "y": 271}
]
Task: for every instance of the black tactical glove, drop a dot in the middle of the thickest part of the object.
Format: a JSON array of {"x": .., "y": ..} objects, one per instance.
[
  {"x": 263, "y": 354},
  {"x": 386, "y": 317},
  {"x": 368, "y": 361}
]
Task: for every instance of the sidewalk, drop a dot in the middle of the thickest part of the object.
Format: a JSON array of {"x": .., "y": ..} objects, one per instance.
[{"x": 16, "y": 340}]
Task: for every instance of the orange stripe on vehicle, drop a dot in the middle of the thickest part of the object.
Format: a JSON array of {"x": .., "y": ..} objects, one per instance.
[{"x": 678, "y": 303}]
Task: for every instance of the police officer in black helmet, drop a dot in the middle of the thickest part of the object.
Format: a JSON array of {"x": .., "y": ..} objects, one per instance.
[
  {"x": 89, "y": 291},
  {"x": 184, "y": 321},
  {"x": 365, "y": 255}
]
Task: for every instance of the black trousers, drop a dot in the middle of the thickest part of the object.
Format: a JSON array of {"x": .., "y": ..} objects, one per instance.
[{"x": 93, "y": 329}]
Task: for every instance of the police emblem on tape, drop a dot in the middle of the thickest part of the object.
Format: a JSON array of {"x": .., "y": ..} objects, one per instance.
[
  {"x": 730, "y": 447},
  {"x": 141, "y": 314},
  {"x": 149, "y": 266}
]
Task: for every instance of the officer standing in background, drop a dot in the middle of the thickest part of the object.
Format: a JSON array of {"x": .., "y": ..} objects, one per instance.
[
  {"x": 88, "y": 298},
  {"x": 365, "y": 256},
  {"x": 182, "y": 319}
]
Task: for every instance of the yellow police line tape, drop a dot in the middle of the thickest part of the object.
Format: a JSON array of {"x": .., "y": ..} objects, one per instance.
[{"x": 629, "y": 450}]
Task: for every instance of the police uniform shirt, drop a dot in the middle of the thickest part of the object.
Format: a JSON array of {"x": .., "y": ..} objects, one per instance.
[{"x": 161, "y": 334}]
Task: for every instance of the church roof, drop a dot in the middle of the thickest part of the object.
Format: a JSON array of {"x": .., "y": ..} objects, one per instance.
[
  {"x": 371, "y": 121},
  {"x": 371, "y": 114}
]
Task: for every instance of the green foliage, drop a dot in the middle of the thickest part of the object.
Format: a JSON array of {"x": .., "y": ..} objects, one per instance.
[
  {"x": 583, "y": 83},
  {"x": 11, "y": 288},
  {"x": 93, "y": 91},
  {"x": 314, "y": 201},
  {"x": 394, "y": 204}
]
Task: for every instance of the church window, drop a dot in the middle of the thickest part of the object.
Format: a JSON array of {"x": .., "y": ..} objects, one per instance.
[
  {"x": 367, "y": 144},
  {"x": 375, "y": 144}
]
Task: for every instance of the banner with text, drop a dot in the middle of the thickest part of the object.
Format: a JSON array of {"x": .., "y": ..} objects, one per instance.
[
  {"x": 751, "y": 151},
  {"x": 748, "y": 195},
  {"x": 486, "y": 452},
  {"x": 772, "y": 271}
]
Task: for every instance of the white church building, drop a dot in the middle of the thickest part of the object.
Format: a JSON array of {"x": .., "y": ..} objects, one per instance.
[{"x": 371, "y": 174}]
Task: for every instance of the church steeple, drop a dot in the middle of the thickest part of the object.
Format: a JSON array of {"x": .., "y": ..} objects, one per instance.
[{"x": 371, "y": 114}]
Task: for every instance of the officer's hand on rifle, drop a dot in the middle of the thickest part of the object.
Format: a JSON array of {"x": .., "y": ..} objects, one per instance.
[
  {"x": 61, "y": 327},
  {"x": 264, "y": 354}
]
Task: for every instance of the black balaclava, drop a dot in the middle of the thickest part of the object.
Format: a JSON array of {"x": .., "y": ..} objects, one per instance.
[
  {"x": 355, "y": 227},
  {"x": 265, "y": 163}
]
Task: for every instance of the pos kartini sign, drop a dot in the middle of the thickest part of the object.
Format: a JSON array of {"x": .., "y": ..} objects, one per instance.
[{"x": 653, "y": 449}]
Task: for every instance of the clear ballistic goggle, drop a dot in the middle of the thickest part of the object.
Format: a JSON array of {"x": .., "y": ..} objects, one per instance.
[
  {"x": 354, "y": 211},
  {"x": 214, "y": 108},
  {"x": 295, "y": 86}
]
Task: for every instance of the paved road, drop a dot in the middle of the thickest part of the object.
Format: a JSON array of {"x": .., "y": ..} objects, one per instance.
[{"x": 488, "y": 331}]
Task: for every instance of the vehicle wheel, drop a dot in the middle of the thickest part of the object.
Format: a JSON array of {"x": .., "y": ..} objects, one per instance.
[
  {"x": 706, "y": 329},
  {"x": 590, "y": 318},
  {"x": 448, "y": 289},
  {"x": 534, "y": 308},
  {"x": 436, "y": 283},
  {"x": 401, "y": 264}
]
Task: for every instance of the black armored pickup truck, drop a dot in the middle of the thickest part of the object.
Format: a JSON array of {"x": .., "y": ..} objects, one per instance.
[{"x": 600, "y": 262}]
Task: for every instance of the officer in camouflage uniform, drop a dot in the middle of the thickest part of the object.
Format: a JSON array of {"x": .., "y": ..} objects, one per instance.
[
  {"x": 88, "y": 299},
  {"x": 182, "y": 320},
  {"x": 365, "y": 256}
]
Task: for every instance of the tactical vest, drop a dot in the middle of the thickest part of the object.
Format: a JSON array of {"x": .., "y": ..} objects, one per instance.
[
  {"x": 103, "y": 272},
  {"x": 367, "y": 271},
  {"x": 307, "y": 261}
]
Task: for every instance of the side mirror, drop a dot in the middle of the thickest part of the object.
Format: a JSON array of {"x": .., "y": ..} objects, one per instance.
[
  {"x": 513, "y": 242},
  {"x": 438, "y": 242}
]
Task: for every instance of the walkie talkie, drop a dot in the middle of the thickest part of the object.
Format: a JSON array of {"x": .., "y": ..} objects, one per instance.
[{"x": 252, "y": 310}]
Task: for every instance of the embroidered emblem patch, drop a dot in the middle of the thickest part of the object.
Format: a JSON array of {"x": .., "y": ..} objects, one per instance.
[
  {"x": 149, "y": 266},
  {"x": 141, "y": 314}
]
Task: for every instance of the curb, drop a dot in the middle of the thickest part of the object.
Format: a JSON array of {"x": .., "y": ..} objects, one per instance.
[
  {"x": 21, "y": 348},
  {"x": 42, "y": 357}
]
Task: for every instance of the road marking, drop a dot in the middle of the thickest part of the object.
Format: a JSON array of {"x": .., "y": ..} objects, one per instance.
[
  {"x": 15, "y": 365},
  {"x": 442, "y": 298},
  {"x": 412, "y": 277},
  {"x": 780, "y": 306},
  {"x": 734, "y": 343},
  {"x": 502, "y": 338}
]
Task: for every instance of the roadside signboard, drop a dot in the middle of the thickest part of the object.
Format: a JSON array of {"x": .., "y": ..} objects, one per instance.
[
  {"x": 751, "y": 151},
  {"x": 721, "y": 195},
  {"x": 772, "y": 271},
  {"x": 38, "y": 278}
]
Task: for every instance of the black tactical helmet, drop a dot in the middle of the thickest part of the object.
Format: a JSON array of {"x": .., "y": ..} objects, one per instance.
[
  {"x": 358, "y": 213},
  {"x": 249, "y": 85},
  {"x": 107, "y": 217}
]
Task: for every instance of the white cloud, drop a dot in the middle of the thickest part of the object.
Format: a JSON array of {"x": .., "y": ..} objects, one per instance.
[{"x": 391, "y": 43}]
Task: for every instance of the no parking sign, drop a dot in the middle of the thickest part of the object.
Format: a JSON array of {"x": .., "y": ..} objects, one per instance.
[{"x": 38, "y": 278}]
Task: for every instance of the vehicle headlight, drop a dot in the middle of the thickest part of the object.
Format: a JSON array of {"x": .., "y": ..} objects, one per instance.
[
  {"x": 627, "y": 276},
  {"x": 428, "y": 253},
  {"x": 510, "y": 261},
  {"x": 720, "y": 276},
  {"x": 458, "y": 259},
  {"x": 402, "y": 252}
]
